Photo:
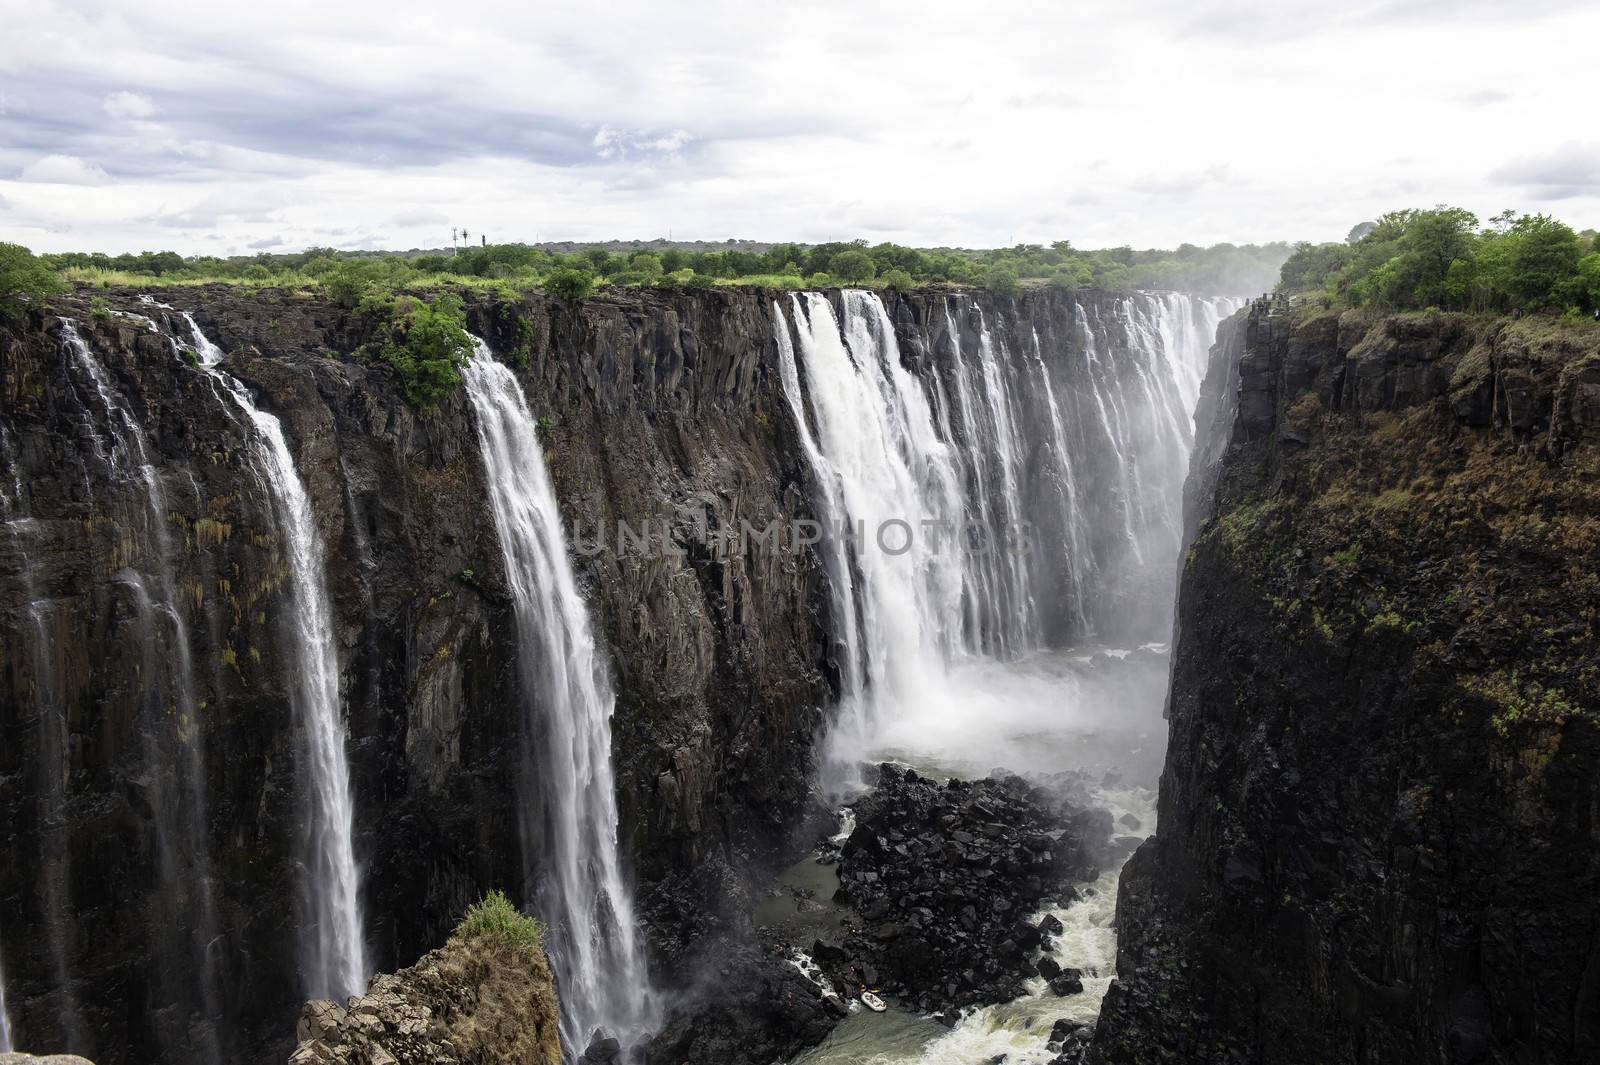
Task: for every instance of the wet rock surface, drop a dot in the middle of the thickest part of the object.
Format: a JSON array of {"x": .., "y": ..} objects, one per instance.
[{"x": 750, "y": 1005}]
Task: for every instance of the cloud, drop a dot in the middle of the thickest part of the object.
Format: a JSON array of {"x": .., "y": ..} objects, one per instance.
[
  {"x": 1485, "y": 97},
  {"x": 128, "y": 105},
  {"x": 1051, "y": 99},
  {"x": 63, "y": 170},
  {"x": 265, "y": 243},
  {"x": 420, "y": 216},
  {"x": 613, "y": 143},
  {"x": 1573, "y": 169}
]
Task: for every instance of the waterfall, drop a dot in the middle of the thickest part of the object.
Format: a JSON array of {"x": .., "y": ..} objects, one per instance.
[
  {"x": 568, "y": 702},
  {"x": 892, "y": 489},
  {"x": 996, "y": 427},
  {"x": 334, "y": 955},
  {"x": 185, "y": 927},
  {"x": 5, "y": 1018}
]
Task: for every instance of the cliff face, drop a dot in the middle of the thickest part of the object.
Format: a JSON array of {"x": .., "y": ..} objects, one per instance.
[
  {"x": 1378, "y": 834},
  {"x": 151, "y": 783}
]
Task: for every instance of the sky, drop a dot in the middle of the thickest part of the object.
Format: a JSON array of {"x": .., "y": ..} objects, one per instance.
[{"x": 230, "y": 128}]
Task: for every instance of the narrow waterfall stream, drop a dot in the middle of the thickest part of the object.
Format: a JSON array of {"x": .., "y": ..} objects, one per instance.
[
  {"x": 333, "y": 950},
  {"x": 946, "y": 665},
  {"x": 569, "y": 813},
  {"x": 5, "y": 1018},
  {"x": 186, "y": 927}
]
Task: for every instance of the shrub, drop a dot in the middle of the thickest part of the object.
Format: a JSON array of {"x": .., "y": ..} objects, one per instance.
[
  {"x": 898, "y": 279},
  {"x": 428, "y": 346},
  {"x": 494, "y": 915},
  {"x": 569, "y": 284},
  {"x": 24, "y": 280}
]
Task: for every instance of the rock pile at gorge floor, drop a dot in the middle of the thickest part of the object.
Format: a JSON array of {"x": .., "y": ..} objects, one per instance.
[
  {"x": 475, "y": 1001},
  {"x": 945, "y": 877},
  {"x": 1376, "y": 838}
]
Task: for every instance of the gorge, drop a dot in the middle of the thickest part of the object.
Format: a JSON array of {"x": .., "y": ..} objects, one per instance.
[{"x": 293, "y": 672}]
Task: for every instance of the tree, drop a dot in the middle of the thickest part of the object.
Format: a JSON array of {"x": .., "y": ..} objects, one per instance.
[
  {"x": 1309, "y": 268},
  {"x": 1002, "y": 280},
  {"x": 899, "y": 279},
  {"x": 1542, "y": 259},
  {"x": 646, "y": 263},
  {"x": 1587, "y": 282},
  {"x": 853, "y": 267},
  {"x": 24, "y": 281}
]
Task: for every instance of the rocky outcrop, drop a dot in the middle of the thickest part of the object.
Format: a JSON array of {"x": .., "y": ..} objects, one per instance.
[
  {"x": 1377, "y": 840},
  {"x": 48, "y": 1059},
  {"x": 474, "y": 1001}
]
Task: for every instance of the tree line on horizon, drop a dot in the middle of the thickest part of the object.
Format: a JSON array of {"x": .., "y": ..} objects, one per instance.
[
  {"x": 1444, "y": 258},
  {"x": 1222, "y": 269}
]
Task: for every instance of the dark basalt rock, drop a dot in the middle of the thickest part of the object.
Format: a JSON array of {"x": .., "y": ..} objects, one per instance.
[
  {"x": 748, "y": 1005},
  {"x": 943, "y": 876}
]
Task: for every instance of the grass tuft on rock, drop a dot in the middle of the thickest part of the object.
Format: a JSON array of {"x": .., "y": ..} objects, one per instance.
[{"x": 494, "y": 915}]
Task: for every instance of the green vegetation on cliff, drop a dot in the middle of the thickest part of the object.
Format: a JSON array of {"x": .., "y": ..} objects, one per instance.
[
  {"x": 24, "y": 280},
  {"x": 1410, "y": 260},
  {"x": 426, "y": 343},
  {"x": 494, "y": 915}
]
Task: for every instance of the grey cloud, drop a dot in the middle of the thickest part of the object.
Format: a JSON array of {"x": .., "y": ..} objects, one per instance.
[
  {"x": 265, "y": 243},
  {"x": 1249, "y": 21},
  {"x": 1485, "y": 97},
  {"x": 1573, "y": 169}
]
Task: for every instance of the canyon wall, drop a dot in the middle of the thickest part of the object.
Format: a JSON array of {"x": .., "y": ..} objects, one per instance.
[
  {"x": 1378, "y": 819},
  {"x": 152, "y": 780}
]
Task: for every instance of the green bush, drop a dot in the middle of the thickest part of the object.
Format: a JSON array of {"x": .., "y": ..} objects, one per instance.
[
  {"x": 24, "y": 280},
  {"x": 853, "y": 266},
  {"x": 569, "y": 284},
  {"x": 427, "y": 346},
  {"x": 898, "y": 279},
  {"x": 494, "y": 915},
  {"x": 1002, "y": 280}
]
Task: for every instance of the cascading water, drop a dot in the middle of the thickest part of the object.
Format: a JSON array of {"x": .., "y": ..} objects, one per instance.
[
  {"x": 945, "y": 655},
  {"x": 571, "y": 849},
  {"x": 889, "y": 480},
  {"x": 185, "y": 925},
  {"x": 334, "y": 953},
  {"x": 5, "y": 1017}
]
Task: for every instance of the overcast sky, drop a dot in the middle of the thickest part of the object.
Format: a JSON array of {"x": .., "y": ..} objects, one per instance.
[{"x": 224, "y": 127}]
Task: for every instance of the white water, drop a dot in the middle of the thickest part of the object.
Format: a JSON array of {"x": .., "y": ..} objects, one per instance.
[
  {"x": 5, "y": 1018},
  {"x": 959, "y": 682},
  {"x": 880, "y": 462},
  {"x": 569, "y": 700},
  {"x": 178, "y": 791},
  {"x": 334, "y": 963}
]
